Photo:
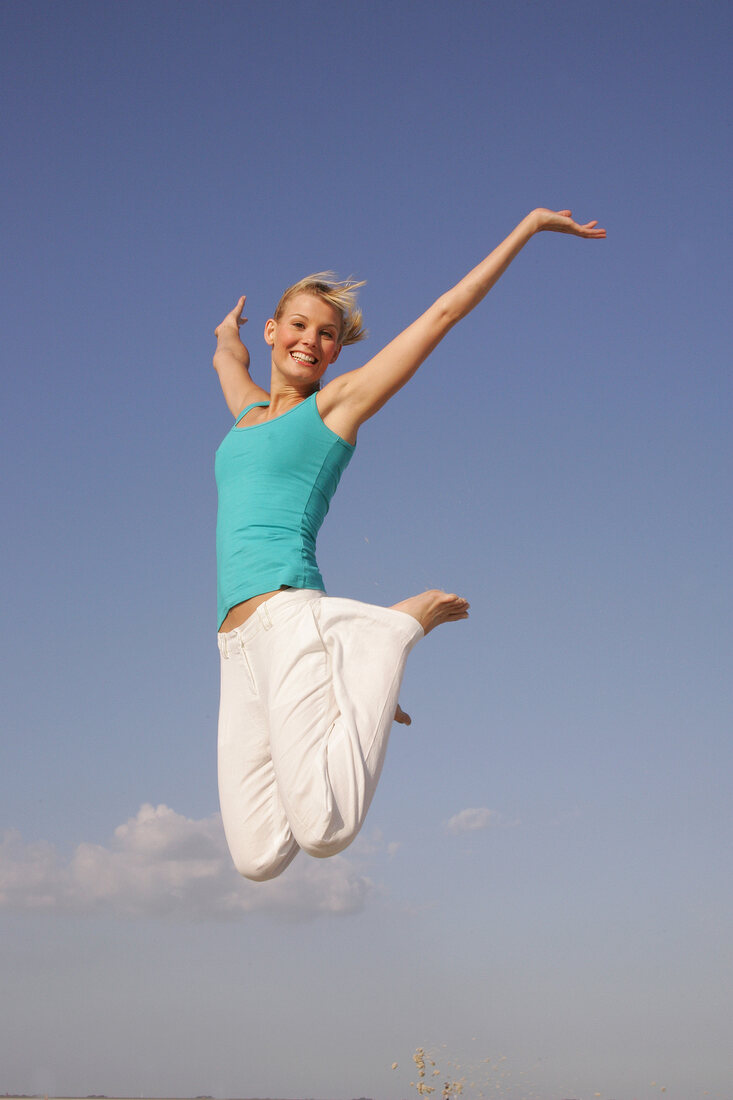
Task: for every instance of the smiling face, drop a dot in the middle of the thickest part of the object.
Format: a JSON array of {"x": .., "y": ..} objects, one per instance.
[{"x": 304, "y": 340}]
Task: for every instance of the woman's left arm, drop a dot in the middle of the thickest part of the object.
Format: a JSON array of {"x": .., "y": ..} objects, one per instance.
[{"x": 352, "y": 398}]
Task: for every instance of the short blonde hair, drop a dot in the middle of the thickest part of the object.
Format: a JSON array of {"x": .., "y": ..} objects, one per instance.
[{"x": 339, "y": 293}]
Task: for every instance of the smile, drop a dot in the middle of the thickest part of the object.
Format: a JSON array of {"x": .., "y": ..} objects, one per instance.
[{"x": 302, "y": 357}]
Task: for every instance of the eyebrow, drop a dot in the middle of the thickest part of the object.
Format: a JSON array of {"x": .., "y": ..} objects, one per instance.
[{"x": 328, "y": 324}]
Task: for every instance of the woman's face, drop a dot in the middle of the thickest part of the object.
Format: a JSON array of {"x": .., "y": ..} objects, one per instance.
[{"x": 304, "y": 339}]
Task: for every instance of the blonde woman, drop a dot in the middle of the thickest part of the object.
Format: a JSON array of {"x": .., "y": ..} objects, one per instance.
[{"x": 310, "y": 683}]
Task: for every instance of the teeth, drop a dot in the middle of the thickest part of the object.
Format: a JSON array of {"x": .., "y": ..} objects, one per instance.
[{"x": 301, "y": 357}]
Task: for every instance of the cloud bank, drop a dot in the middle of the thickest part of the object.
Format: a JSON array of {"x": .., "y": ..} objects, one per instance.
[
  {"x": 468, "y": 821},
  {"x": 162, "y": 864}
]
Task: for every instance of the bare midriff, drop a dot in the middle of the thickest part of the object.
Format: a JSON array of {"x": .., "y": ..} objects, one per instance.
[{"x": 242, "y": 611}]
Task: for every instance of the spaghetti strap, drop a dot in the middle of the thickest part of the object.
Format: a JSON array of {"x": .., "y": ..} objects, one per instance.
[{"x": 254, "y": 405}]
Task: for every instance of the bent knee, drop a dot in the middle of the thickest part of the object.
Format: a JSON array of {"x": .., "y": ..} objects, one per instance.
[
  {"x": 256, "y": 872},
  {"x": 323, "y": 844},
  {"x": 260, "y": 867}
]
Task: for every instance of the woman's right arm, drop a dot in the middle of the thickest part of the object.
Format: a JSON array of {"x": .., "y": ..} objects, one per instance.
[{"x": 231, "y": 363}]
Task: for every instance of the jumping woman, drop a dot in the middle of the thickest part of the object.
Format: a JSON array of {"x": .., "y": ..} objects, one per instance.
[{"x": 310, "y": 683}]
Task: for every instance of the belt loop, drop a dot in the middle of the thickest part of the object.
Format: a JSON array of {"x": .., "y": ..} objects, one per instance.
[
  {"x": 265, "y": 616},
  {"x": 223, "y": 646}
]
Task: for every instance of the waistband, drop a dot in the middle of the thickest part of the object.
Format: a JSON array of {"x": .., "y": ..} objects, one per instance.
[{"x": 278, "y": 609}]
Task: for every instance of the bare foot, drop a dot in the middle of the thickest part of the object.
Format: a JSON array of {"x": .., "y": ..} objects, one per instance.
[
  {"x": 402, "y": 717},
  {"x": 434, "y": 607}
]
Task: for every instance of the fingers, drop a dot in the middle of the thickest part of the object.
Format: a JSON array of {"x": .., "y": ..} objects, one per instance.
[
  {"x": 237, "y": 311},
  {"x": 234, "y": 315},
  {"x": 589, "y": 229}
]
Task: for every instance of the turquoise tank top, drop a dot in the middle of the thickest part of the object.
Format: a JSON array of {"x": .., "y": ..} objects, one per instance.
[{"x": 275, "y": 482}]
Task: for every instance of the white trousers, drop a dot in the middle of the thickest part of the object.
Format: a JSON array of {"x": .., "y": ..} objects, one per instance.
[{"x": 309, "y": 689}]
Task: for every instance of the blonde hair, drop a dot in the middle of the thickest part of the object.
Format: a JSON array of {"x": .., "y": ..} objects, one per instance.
[{"x": 341, "y": 294}]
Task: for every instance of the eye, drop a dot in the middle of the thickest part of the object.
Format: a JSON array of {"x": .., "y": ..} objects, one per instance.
[{"x": 298, "y": 324}]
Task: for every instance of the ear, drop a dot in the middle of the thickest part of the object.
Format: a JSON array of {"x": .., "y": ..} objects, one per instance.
[
  {"x": 270, "y": 331},
  {"x": 337, "y": 352}
]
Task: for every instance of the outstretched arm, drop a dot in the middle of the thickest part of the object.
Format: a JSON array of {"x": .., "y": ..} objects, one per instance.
[
  {"x": 352, "y": 398},
  {"x": 231, "y": 362}
]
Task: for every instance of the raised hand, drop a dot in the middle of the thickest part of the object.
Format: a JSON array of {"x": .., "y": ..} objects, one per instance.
[
  {"x": 561, "y": 221},
  {"x": 231, "y": 354},
  {"x": 233, "y": 319}
]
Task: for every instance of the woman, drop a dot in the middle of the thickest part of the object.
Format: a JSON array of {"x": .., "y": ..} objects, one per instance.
[{"x": 309, "y": 684}]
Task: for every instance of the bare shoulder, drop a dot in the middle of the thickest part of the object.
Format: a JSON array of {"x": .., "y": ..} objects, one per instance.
[
  {"x": 333, "y": 406},
  {"x": 257, "y": 415},
  {"x": 248, "y": 393},
  {"x": 238, "y": 388},
  {"x": 333, "y": 395}
]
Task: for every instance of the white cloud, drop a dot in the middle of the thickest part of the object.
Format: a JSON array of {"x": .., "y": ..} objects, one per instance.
[
  {"x": 163, "y": 864},
  {"x": 468, "y": 821}
]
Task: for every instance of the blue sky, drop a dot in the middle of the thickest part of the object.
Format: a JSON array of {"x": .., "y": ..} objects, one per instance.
[{"x": 563, "y": 459}]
